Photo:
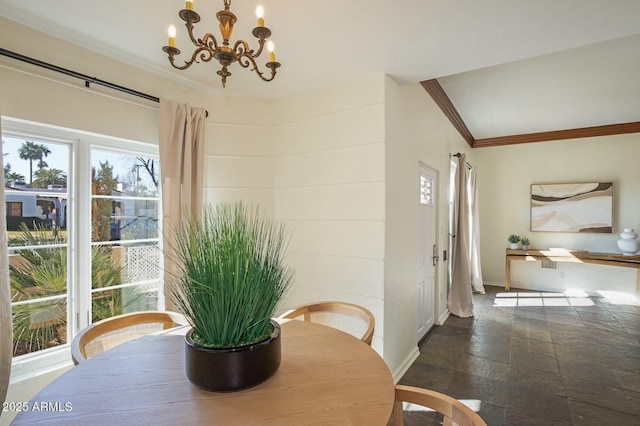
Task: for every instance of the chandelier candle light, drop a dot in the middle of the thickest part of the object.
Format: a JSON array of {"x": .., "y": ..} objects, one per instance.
[{"x": 208, "y": 48}]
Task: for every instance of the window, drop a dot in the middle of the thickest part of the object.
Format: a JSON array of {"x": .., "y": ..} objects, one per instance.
[
  {"x": 38, "y": 248},
  {"x": 83, "y": 233},
  {"x": 14, "y": 209},
  {"x": 124, "y": 224},
  {"x": 426, "y": 190}
]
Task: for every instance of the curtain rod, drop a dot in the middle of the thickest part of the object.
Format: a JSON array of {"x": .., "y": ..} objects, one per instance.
[
  {"x": 457, "y": 155},
  {"x": 87, "y": 79}
]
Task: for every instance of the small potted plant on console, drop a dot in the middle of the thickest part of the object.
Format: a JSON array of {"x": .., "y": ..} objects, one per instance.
[{"x": 514, "y": 240}]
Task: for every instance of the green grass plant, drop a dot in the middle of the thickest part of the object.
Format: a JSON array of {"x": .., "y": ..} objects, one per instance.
[{"x": 230, "y": 275}]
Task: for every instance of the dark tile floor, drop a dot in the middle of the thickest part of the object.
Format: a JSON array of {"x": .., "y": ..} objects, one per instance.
[{"x": 531, "y": 358}]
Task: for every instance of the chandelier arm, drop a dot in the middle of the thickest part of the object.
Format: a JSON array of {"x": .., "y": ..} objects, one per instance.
[
  {"x": 246, "y": 60},
  {"x": 241, "y": 48},
  {"x": 209, "y": 41},
  {"x": 183, "y": 67},
  {"x": 204, "y": 52},
  {"x": 196, "y": 42},
  {"x": 273, "y": 74}
]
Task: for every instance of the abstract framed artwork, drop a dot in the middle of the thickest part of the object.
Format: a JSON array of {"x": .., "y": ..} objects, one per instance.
[{"x": 572, "y": 207}]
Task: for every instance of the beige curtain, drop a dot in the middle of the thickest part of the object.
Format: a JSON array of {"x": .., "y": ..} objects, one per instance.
[
  {"x": 6, "y": 342},
  {"x": 181, "y": 137},
  {"x": 460, "y": 299},
  {"x": 477, "y": 283}
]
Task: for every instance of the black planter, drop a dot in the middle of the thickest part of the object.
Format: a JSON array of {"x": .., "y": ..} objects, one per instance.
[{"x": 232, "y": 369}]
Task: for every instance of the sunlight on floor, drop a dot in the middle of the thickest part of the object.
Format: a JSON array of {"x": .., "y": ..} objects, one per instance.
[
  {"x": 474, "y": 404},
  {"x": 571, "y": 297},
  {"x": 574, "y": 292},
  {"x": 619, "y": 298}
]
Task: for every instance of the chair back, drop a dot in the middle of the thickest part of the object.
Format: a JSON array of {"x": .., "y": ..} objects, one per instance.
[
  {"x": 453, "y": 411},
  {"x": 111, "y": 332},
  {"x": 353, "y": 319}
]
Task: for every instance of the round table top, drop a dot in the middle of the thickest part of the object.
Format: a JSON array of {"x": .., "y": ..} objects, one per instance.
[{"x": 326, "y": 377}]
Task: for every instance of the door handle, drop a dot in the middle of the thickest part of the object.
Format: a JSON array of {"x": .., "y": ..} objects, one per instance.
[{"x": 435, "y": 256}]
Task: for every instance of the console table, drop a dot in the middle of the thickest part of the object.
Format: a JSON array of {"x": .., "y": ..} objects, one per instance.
[{"x": 577, "y": 256}]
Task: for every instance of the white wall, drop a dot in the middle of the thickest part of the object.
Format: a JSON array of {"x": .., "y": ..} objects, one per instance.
[
  {"x": 401, "y": 229},
  {"x": 505, "y": 176},
  {"x": 329, "y": 190},
  {"x": 239, "y": 153},
  {"x": 36, "y": 94},
  {"x": 416, "y": 132}
]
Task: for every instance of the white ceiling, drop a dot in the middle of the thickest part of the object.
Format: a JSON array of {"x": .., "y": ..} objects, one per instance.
[
  {"x": 593, "y": 85},
  {"x": 509, "y": 66}
]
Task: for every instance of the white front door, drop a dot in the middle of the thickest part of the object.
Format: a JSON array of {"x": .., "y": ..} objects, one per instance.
[{"x": 428, "y": 251}]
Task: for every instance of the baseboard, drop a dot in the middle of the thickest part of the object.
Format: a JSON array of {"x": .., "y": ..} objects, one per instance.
[
  {"x": 408, "y": 361},
  {"x": 443, "y": 317}
]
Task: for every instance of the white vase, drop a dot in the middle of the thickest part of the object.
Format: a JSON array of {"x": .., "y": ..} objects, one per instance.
[
  {"x": 525, "y": 247},
  {"x": 628, "y": 243},
  {"x": 513, "y": 246}
]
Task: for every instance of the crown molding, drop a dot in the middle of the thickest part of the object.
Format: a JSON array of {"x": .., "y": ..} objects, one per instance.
[{"x": 442, "y": 100}]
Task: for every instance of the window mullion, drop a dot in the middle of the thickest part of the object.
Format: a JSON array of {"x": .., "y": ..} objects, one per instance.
[{"x": 82, "y": 236}]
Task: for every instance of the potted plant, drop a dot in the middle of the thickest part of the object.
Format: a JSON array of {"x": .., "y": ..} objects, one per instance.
[
  {"x": 525, "y": 243},
  {"x": 229, "y": 283},
  {"x": 514, "y": 239}
]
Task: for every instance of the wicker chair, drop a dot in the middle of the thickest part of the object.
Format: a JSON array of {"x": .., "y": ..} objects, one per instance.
[
  {"x": 111, "y": 332},
  {"x": 353, "y": 319},
  {"x": 453, "y": 411}
]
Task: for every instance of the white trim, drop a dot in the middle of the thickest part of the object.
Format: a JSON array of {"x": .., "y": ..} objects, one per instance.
[
  {"x": 497, "y": 284},
  {"x": 39, "y": 300},
  {"x": 123, "y": 197},
  {"x": 41, "y": 362},
  {"x": 82, "y": 245},
  {"x": 127, "y": 285},
  {"x": 404, "y": 365},
  {"x": 16, "y": 127},
  {"x": 443, "y": 317},
  {"x": 18, "y": 248},
  {"x": 124, "y": 242}
]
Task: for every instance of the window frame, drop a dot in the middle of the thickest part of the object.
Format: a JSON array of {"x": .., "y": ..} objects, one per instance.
[{"x": 79, "y": 222}]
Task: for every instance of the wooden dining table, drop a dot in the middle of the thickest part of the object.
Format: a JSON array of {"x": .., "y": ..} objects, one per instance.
[{"x": 326, "y": 377}]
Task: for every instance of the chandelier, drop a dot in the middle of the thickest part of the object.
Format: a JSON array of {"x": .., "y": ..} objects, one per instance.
[{"x": 208, "y": 48}]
